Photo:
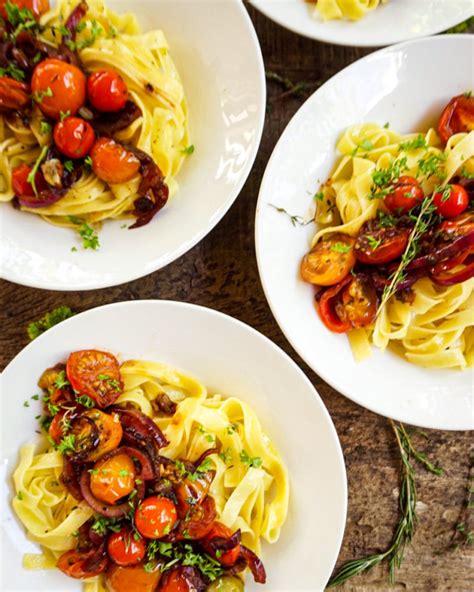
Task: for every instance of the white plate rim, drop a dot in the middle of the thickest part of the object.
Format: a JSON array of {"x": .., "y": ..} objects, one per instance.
[{"x": 331, "y": 379}]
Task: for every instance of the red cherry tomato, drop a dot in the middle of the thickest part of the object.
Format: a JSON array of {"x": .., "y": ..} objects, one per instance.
[
  {"x": 133, "y": 579},
  {"x": 327, "y": 310},
  {"x": 20, "y": 184},
  {"x": 58, "y": 88},
  {"x": 112, "y": 162},
  {"x": 219, "y": 530},
  {"x": 37, "y": 7},
  {"x": 376, "y": 245},
  {"x": 177, "y": 580},
  {"x": 82, "y": 565},
  {"x": 58, "y": 428},
  {"x": 107, "y": 90},
  {"x": 358, "y": 304},
  {"x": 452, "y": 201},
  {"x": 457, "y": 116},
  {"x": 125, "y": 547},
  {"x": 95, "y": 374},
  {"x": 198, "y": 521},
  {"x": 155, "y": 517},
  {"x": 458, "y": 226},
  {"x": 74, "y": 137},
  {"x": 406, "y": 194}
]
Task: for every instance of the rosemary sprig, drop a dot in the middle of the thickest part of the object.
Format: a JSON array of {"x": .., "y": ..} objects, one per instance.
[
  {"x": 294, "y": 218},
  {"x": 297, "y": 89},
  {"x": 462, "y": 535},
  {"x": 422, "y": 222},
  {"x": 407, "y": 524}
]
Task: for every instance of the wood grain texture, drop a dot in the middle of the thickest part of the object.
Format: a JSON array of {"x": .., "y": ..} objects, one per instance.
[{"x": 221, "y": 273}]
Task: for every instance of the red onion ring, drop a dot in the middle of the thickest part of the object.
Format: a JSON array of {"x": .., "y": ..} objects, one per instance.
[
  {"x": 70, "y": 479},
  {"x": 135, "y": 423},
  {"x": 464, "y": 274},
  {"x": 452, "y": 249},
  {"x": 103, "y": 508}
]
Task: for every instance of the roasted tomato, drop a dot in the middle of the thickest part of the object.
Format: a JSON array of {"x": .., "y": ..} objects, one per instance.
[
  {"x": 457, "y": 116},
  {"x": 83, "y": 565},
  {"x": 59, "y": 427},
  {"x": 458, "y": 226},
  {"x": 155, "y": 517},
  {"x": 182, "y": 579},
  {"x": 329, "y": 261},
  {"x": 58, "y": 88},
  {"x": 327, "y": 311},
  {"x": 112, "y": 162},
  {"x": 358, "y": 305},
  {"x": 405, "y": 195},
  {"x": 13, "y": 94},
  {"x": 107, "y": 90},
  {"x": 37, "y": 7},
  {"x": 20, "y": 184},
  {"x": 132, "y": 579},
  {"x": 113, "y": 478},
  {"x": 110, "y": 432},
  {"x": 451, "y": 201},
  {"x": 376, "y": 245},
  {"x": 191, "y": 492},
  {"x": 74, "y": 137},
  {"x": 95, "y": 374},
  {"x": 198, "y": 521},
  {"x": 126, "y": 547},
  {"x": 219, "y": 530}
]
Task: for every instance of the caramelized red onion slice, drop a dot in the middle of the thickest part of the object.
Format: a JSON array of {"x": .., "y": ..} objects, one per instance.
[
  {"x": 458, "y": 277},
  {"x": 140, "y": 428},
  {"x": 204, "y": 455},
  {"x": 255, "y": 564},
  {"x": 108, "y": 510},
  {"x": 224, "y": 544},
  {"x": 98, "y": 561},
  {"x": 110, "y": 123},
  {"x": 457, "y": 246},
  {"x": 70, "y": 479}
]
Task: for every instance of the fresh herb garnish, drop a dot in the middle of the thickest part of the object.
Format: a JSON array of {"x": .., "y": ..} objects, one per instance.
[
  {"x": 432, "y": 165},
  {"x": 13, "y": 71},
  {"x": 374, "y": 243},
  {"x": 341, "y": 247},
  {"x": 96, "y": 30},
  {"x": 45, "y": 127},
  {"x": 64, "y": 114},
  {"x": 86, "y": 401},
  {"x": 295, "y": 219},
  {"x": 103, "y": 524},
  {"x": 32, "y": 174},
  {"x": 61, "y": 381},
  {"x": 188, "y": 150},
  {"x": 246, "y": 459},
  {"x": 39, "y": 96},
  {"x": 68, "y": 165},
  {"x": 67, "y": 444},
  {"x": 418, "y": 142},
  {"x": 90, "y": 238},
  {"x": 36, "y": 328},
  {"x": 226, "y": 456}
]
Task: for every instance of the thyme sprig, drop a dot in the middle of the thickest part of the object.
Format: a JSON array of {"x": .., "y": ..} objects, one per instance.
[
  {"x": 295, "y": 219},
  {"x": 407, "y": 523},
  {"x": 462, "y": 535},
  {"x": 297, "y": 89},
  {"x": 423, "y": 221}
]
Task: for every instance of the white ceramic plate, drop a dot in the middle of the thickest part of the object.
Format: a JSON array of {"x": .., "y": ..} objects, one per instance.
[
  {"x": 218, "y": 56},
  {"x": 396, "y": 21},
  {"x": 229, "y": 357},
  {"x": 406, "y": 85}
]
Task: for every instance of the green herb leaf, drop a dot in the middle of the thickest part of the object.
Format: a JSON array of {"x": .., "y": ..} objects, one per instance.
[
  {"x": 32, "y": 174},
  {"x": 13, "y": 71},
  {"x": 36, "y": 328},
  {"x": 415, "y": 144},
  {"x": 341, "y": 247},
  {"x": 90, "y": 238},
  {"x": 255, "y": 462},
  {"x": 188, "y": 150}
]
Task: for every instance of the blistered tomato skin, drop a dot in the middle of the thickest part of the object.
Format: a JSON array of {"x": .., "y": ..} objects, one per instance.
[
  {"x": 113, "y": 479},
  {"x": 107, "y": 91},
  {"x": 155, "y": 517},
  {"x": 452, "y": 201},
  {"x": 125, "y": 547},
  {"x": 113, "y": 163},
  {"x": 406, "y": 194},
  {"x": 58, "y": 88},
  {"x": 74, "y": 137}
]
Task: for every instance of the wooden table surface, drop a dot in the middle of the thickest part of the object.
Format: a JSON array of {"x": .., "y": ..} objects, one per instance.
[{"x": 221, "y": 273}]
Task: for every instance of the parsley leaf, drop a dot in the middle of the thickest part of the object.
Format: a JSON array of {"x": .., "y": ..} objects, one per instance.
[
  {"x": 90, "y": 238},
  {"x": 188, "y": 150},
  {"x": 340, "y": 247},
  {"x": 255, "y": 462},
  {"x": 418, "y": 142},
  {"x": 13, "y": 71},
  {"x": 36, "y": 328}
]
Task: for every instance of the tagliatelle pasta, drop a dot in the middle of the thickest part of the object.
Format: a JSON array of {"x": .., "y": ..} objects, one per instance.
[
  {"x": 250, "y": 487},
  {"x": 349, "y": 9}
]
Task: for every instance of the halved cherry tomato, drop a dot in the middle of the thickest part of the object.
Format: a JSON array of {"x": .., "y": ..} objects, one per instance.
[
  {"x": 107, "y": 90},
  {"x": 444, "y": 269},
  {"x": 74, "y": 137},
  {"x": 95, "y": 374},
  {"x": 133, "y": 579},
  {"x": 110, "y": 432},
  {"x": 358, "y": 305},
  {"x": 58, "y": 428},
  {"x": 112, "y": 162},
  {"x": 37, "y": 7},
  {"x": 190, "y": 493},
  {"x": 176, "y": 580},
  {"x": 20, "y": 184},
  {"x": 58, "y": 87},
  {"x": 452, "y": 201},
  {"x": 83, "y": 565},
  {"x": 113, "y": 478},
  {"x": 155, "y": 517},
  {"x": 457, "y": 116},
  {"x": 13, "y": 94},
  {"x": 329, "y": 261},
  {"x": 327, "y": 310},
  {"x": 125, "y": 547},
  {"x": 457, "y": 226},
  {"x": 198, "y": 521},
  {"x": 376, "y": 245},
  {"x": 405, "y": 195},
  {"x": 219, "y": 530}
]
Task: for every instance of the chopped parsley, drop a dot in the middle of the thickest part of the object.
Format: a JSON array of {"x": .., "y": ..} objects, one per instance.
[
  {"x": 102, "y": 524},
  {"x": 433, "y": 165},
  {"x": 61, "y": 381},
  {"x": 188, "y": 150},
  {"x": 90, "y": 238},
  {"x": 318, "y": 196},
  {"x": 341, "y": 247},
  {"x": 113, "y": 382},
  {"x": 418, "y": 142},
  {"x": 96, "y": 30},
  {"x": 45, "y": 127},
  {"x": 13, "y": 71},
  {"x": 123, "y": 473},
  {"x": 88, "y": 161},
  {"x": 185, "y": 555},
  {"x": 374, "y": 243},
  {"x": 246, "y": 459},
  {"x": 39, "y": 96},
  {"x": 20, "y": 496},
  {"x": 85, "y": 401},
  {"x": 32, "y": 175},
  {"x": 68, "y": 165},
  {"x": 67, "y": 444},
  {"x": 226, "y": 456},
  {"x": 466, "y": 174},
  {"x": 231, "y": 428},
  {"x": 36, "y": 328}
]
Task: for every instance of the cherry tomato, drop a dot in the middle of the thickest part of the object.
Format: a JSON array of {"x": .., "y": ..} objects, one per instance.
[
  {"x": 95, "y": 374},
  {"x": 176, "y": 580},
  {"x": 20, "y": 184},
  {"x": 58, "y": 88},
  {"x": 452, "y": 201},
  {"x": 112, "y": 162},
  {"x": 457, "y": 226},
  {"x": 329, "y": 261},
  {"x": 376, "y": 245},
  {"x": 359, "y": 303},
  {"x": 191, "y": 493},
  {"x": 327, "y": 310},
  {"x": 113, "y": 478},
  {"x": 37, "y": 7},
  {"x": 155, "y": 517},
  {"x": 82, "y": 565},
  {"x": 457, "y": 116},
  {"x": 107, "y": 90},
  {"x": 219, "y": 530},
  {"x": 198, "y": 521},
  {"x": 132, "y": 579},
  {"x": 406, "y": 194},
  {"x": 125, "y": 547},
  {"x": 110, "y": 432},
  {"x": 13, "y": 94},
  {"x": 58, "y": 428},
  {"x": 74, "y": 137}
]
